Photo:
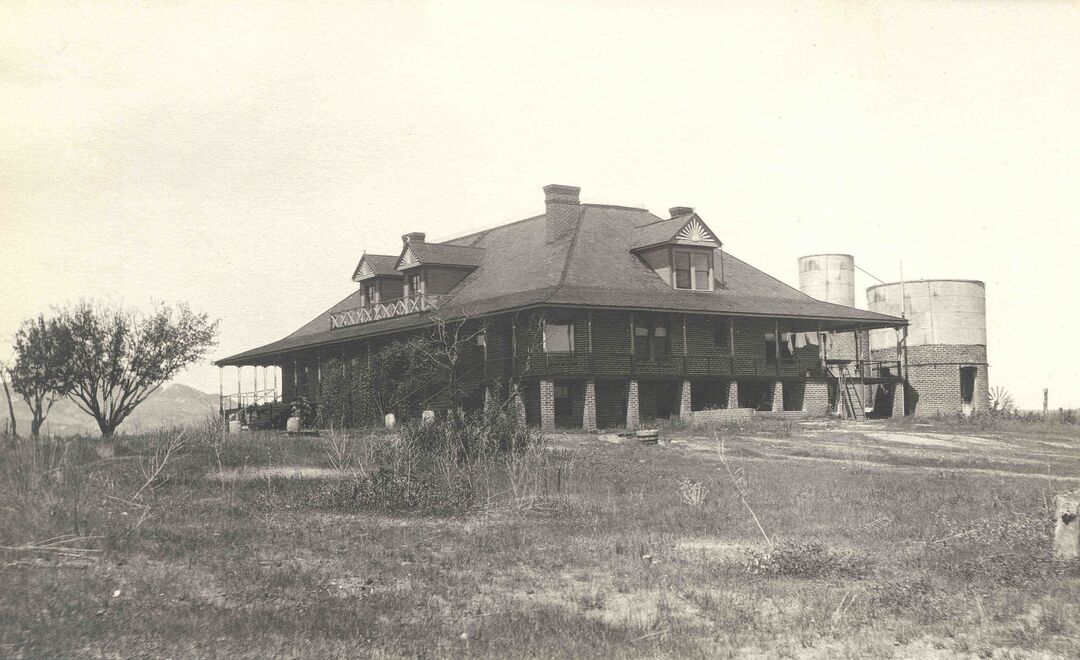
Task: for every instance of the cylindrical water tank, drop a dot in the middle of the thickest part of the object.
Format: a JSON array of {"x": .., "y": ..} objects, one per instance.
[
  {"x": 828, "y": 277},
  {"x": 940, "y": 312}
]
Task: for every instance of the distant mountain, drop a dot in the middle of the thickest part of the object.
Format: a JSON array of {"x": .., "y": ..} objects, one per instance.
[{"x": 171, "y": 405}]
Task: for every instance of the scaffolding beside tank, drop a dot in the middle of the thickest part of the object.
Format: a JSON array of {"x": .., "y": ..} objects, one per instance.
[{"x": 945, "y": 354}]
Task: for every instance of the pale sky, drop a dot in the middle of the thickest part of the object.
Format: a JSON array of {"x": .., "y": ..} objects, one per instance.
[{"x": 241, "y": 156}]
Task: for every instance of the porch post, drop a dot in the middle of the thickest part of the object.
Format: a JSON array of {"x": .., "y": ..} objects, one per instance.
[
  {"x": 633, "y": 418},
  {"x": 590, "y": 330},
  {"x": 519, "y": 406},
  {"x": 733, "y": 394},
  {"x": 684, "y": 400},
  {"x": 905, "y": 380},
  {"x": 547, "y": 404},
  {"x": 777, "y": 396},
  {"x": 899, "y": 396},
  {"x": 776, "y": 342},
  {"x": 588, "y": 416},
  {"x": 821, "y": 347},
  {"x": 239, "y": 398},
  {"x": 858, "y": 360}
]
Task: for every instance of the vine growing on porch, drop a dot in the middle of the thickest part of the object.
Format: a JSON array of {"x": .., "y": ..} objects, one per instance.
[{"x": 402, "y": 377}]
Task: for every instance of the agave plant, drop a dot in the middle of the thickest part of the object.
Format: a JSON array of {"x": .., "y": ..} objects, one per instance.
[{"x": 1000, "y": 399}]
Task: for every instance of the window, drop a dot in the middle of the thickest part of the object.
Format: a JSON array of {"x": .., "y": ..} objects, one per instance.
[
  {"x": 413, "y": 285},
  {"x": 481, "y": 342},
  {"x": 651, "y": 340},
  {"x": 701, "y": 271},
  {"x": 641, "y": 341},
  {"x": 558, "y": 336},
  {"x": 370, "y": 297},
  {"x": 693, "y": 270},
  {"x": 722, "y": 334},
  {"x": 661, "y": 345},
  {"x": 682, "y": 270}
]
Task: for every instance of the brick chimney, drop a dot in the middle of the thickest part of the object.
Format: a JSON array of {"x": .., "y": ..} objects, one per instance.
[
  {"x": 413, "y": 237},
  {"x": 563, "y": 210},
  {"x": 680, "y": 211}
]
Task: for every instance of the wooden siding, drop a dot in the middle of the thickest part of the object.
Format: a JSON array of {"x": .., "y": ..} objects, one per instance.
[
  {"x": 391, "y": 288},
  {"x": 440, "y": 279},
  {"x": 659, "y": 259}
]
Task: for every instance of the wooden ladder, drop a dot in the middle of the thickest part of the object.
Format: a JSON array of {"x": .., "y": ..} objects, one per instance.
[{"x": 849, "y": 395}]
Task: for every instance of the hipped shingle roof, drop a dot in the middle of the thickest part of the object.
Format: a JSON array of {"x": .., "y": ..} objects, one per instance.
[{"x": 516, "y": 268}]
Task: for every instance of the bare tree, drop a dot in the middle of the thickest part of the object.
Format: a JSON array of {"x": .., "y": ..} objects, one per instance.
[
  {"x": 7, "y": 395},
  {"x": 40, "y": 373},
  {"x": 119, "y": 357},
  {"x": 448, "y": 344}
]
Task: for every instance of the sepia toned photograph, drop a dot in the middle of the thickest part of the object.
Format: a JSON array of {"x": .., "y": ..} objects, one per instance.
[{"x": 594, "y": 329}]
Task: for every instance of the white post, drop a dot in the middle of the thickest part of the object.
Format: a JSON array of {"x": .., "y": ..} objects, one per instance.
[
  {"x": 1067, "y": 527},
  {"x": 221, "y": 397}
]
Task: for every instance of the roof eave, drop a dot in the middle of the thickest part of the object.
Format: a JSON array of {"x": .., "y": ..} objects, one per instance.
[
  {"x": 672, "y": 241},
  {"x": 424, "y": 320}
]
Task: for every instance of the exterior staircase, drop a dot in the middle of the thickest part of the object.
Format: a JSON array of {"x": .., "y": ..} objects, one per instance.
[{"x": 851, "y": 403}]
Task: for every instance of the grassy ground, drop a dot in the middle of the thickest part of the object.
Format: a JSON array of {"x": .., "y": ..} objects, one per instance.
[{"x": 884, "y": 540}]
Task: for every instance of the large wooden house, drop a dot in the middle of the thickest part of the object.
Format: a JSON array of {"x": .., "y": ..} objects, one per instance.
[{"x": 601, "y": 316}]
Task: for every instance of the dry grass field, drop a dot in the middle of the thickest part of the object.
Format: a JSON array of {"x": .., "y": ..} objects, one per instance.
[{"x": 905, "y": 539}]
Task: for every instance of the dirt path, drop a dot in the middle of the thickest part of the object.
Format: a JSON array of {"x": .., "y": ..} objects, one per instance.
[{"x": 897, "y": 450}]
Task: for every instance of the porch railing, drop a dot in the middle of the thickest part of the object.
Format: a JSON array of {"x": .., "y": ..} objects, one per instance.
[
  {"x": 624, "y": 364},
  {"x": 242, "y": 400},
  {"x": 383, "y": 310},
  {"x": 876, "y": 369}
]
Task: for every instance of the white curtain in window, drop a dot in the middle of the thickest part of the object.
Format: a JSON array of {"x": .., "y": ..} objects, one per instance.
[{"x": 558, "y": 337}]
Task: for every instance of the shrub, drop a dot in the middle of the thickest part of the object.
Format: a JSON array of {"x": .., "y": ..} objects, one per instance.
[
  {"x": 464, "y": 437},
  {"x": 452, "y": 464}
]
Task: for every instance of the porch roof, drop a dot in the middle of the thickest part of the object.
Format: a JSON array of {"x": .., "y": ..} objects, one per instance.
[{"x": 795, "y": 317}]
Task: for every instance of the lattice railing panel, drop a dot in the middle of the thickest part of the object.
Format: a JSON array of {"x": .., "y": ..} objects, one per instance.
[{"x": 383, "y": 310}]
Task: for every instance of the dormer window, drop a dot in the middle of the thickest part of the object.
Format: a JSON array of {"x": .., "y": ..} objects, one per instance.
[
  {"x": 413, "y": 284},
  {"x": 680, "y": 251},
  {"x": 693, "y": 269},
  {"x": 371, "y": 293}
]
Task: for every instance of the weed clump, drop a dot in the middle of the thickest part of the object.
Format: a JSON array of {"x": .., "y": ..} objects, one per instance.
[{"x": 807, "y": 560}]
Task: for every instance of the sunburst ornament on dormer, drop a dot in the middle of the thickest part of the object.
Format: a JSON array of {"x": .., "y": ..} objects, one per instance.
[
  {"x": 363, "y": 270},
  {"x": 408, "y": 259},
  {"x": 696, "y": 231}
]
